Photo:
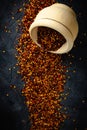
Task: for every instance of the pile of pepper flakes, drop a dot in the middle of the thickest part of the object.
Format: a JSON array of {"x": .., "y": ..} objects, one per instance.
[{"x": 43, "y": 73}]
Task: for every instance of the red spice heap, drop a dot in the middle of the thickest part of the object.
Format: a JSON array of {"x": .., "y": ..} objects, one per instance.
[
  {"x": 43, "y": 74},
  {"x": 50, "y": 39}
]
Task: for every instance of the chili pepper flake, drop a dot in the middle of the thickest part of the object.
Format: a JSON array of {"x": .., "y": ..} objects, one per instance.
[
  {"x": 9, "y": 69},
  {"x": 7, "y": 94},
  {"x": 12, "y": 17},
  {"x": 50, "y": 39},
  {"x": 43, "y": 73},
  {"x": 3, "y": 51},
  {"x": 19, "y": 10},
  {"x": 83, "y": 101}
]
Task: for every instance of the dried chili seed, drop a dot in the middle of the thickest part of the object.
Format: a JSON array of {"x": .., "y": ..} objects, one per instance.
[
  {"x": 43, "y": 74},
  {"x": 19, "y": 10},
  {"x": 50, "y": 39}
]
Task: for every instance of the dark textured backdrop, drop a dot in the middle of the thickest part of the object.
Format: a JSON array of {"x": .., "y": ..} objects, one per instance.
[{"x": 13, "y": 111}]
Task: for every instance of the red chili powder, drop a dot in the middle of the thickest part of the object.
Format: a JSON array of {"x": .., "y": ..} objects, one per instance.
[{"x": 43, "y": 73}]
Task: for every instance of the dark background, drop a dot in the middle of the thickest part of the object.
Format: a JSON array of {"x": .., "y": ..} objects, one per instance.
[{"x": 13, "y": 111}]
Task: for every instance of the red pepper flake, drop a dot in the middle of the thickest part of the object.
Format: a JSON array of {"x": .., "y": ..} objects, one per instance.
[
  {"x": 13, "y": 86},
  {"x": 12, "y": 17},
  {"x": 50, "y": 39},
  {"x": 7, "y": 94},
  {"x": 43, "y": 73},
  {"x": 19, "y": 10},
  {"x": 3, "y": 51}
]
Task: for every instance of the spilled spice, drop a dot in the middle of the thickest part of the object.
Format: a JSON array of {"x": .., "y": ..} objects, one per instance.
[
  {"x": 43, "y": 73},
  {"x": 49, "y": 39}
]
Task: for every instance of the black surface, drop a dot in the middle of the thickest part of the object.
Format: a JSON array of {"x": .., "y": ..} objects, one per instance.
[{"x": 13, "y": 111}]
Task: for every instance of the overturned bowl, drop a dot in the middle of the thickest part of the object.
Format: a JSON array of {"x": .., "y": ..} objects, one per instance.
[{"x": 61, "y": 18}]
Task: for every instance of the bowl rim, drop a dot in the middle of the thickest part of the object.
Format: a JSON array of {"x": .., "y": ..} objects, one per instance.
[{"x": 56, "y": 26}]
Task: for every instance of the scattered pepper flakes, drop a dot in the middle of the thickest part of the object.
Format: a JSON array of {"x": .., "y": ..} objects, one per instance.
[
  {"x": 13, "y": 86},
  {"x": 3, "y": 51},
  {"x": 80, "y": 58},
  {"x": 43, "y": 73},
  {"x": 18, "y": 72},
  {"x": 69, "y": 55},
  {"x": 14, "y": 4},
  {"x": 7, "y": 94},
  {"x": 23, "y": 121},
  {"x": 23, "y": 4},
  {"x": 68, "y": 77},
  {"x": 49, "y": 39},
  {"x": 19, "y": 10},
  {"x": 9, "y": 31},
  {"x": 67, "y": 70},
  {"x": 5, "y": 27},
  {"x": 80, "y": 42},
  {"x": 65, "y": 108},
  {"x": 65, "y": 98},
  {"x": 9, "y": 69},
  {"x": 14, "y": 67},
  {"x": 16, "y": 29},
  {"x": 67, "y": 94},
  {"x": 85, "y": 34},
  {"x": 70, "y": 63},
  {"x": 6, "y": 30},
  {"x": 74, "y": 120},
  {"x": 74, "y": 71},
  {"x": 83, "y": 101},
  {"x": 73, "y": 56},
  {"x": 12, "y": 17},
  {"x": 18, "y": 20},
  {"x": 74, "y": 46}
]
